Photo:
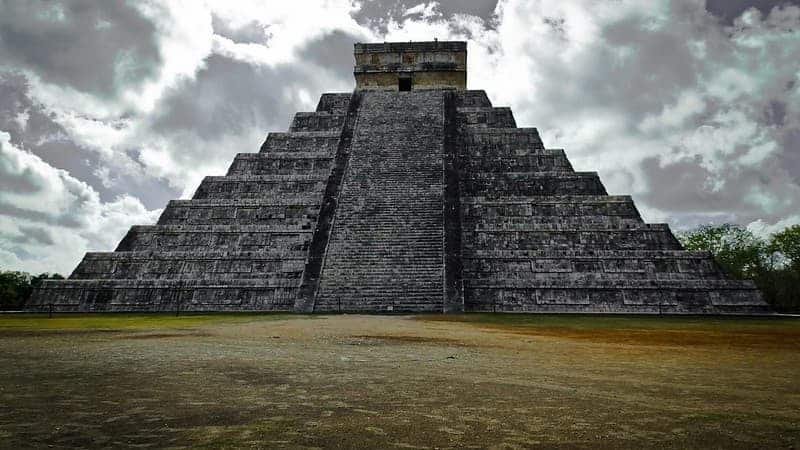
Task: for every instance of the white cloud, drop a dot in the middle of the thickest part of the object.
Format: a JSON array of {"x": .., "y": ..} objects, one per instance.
[
  {"x": 665, "y": 101},
  {"x": 48, "y": 219}
]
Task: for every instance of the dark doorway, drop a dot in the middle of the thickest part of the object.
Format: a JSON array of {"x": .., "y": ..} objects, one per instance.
[{"x": 404, "y": 84}]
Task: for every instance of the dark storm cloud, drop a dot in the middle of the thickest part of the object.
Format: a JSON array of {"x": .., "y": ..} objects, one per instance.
[
  {"x": 94, "y": 47},
  {"x": 663, "y": 57},
  {"x": 333, "y": 52},
  {"x": 698, "y": 118},
  {"x": 682, "y": 187},
  {"x": 227, "y": 97},
  {"x": 228, "y": 108}
]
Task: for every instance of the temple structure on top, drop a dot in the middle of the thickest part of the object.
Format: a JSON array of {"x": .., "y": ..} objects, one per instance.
[
  {"x": 409, "y": 194},
  {"x": 399, "y": 66}
]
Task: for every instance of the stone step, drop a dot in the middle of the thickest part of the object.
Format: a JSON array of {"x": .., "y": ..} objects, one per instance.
[
  {"x": 526, "y": 137},
  {"x": 281, "y": 163},
  {"x": 473, "y": 98},
  {"x": 384, "y": 282},
  {"x": 191, "y": 264},
  {"x": 552, "y": 206},
  {"x": 165, "y": 295},
  {"x": 391, "y": 203},
  {"x": 355, "y": 305},
  {"x": 525, "y": 283},
  {"x": 240, "y": 212},
  {"x": 378, "y": 275},
  {"x": 473, "y": 116},
  {"x": 220, "y": 237},
  {"x": 532, "y": 183},
  {"x": 615, "y": 296},
  {"x": 390, "y": 230},
  {"x": 585, "y": 276},
  {"x": 317, "y": 121},
  {"x": 498, "y": 228},
  {"x": 411, "y": 243},
  {"x": 491, "y": 159},
  {"x": 324, "y": 142},
  {"x": 398, "y": 251},
  {"x": 535, "y": 223},
  {"x": 334, "y": 103},
  {"x": 251, "y": 186},
  {"x": 648, "y": 237},
  {"x": 485, "y": 253}
]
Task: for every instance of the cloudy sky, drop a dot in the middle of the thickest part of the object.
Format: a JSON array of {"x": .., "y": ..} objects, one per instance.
[{"x": 108, "y": 109}]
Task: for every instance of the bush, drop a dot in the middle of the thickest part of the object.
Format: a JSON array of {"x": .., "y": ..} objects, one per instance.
[
  {"x": 773, "y": 264},
  {"x": 16, "y": 287}
]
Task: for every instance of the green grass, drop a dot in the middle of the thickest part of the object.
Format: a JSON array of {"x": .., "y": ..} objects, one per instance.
[
  {"x": 114, "y": 321},
  {"x": 125, "y": 321},
  {"x": 602, "y": 321}
]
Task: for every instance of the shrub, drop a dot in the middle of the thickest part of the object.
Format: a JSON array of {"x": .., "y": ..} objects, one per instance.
[
  {"x": 773, "y": 264},
  {"x": 16, "y": 287}
]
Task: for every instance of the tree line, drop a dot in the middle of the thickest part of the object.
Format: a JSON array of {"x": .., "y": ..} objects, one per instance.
[
  {"x": 773, "y": 263},
  {"x": 17, "y": 287}
]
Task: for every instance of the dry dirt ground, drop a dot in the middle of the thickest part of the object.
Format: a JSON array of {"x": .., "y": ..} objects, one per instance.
[{"x": 349, "y": 381}]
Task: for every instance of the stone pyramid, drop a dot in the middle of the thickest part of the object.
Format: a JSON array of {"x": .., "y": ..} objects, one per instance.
[{"x": 411, "y": 194}]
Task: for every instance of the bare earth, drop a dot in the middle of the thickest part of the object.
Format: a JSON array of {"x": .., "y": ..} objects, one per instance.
[{"x": 272, "y": 381}]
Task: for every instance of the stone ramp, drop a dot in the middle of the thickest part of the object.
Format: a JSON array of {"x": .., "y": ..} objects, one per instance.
[{"x": 386, "y": 249}]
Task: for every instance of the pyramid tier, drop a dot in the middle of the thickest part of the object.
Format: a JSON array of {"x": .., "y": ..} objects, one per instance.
[
  {"x": 292, "y": 211},
  {"x": 518, "y": 137},
  {"x": 215, "y": 264},
  {"x": 531, "y": 183},
  {"x": 525, "y": 263},
  {"x": 516, "y": 160},
  {"x": 166, "y": 295},
  {"x": 641, "y": 237},
  {"x": 281, "y": 163},
  {"x": 473, "y": 99},
  {"x": 335, "y": 103},
  {"x": 220, "y": 237},
  {"x": 487, "y": 208},
  {"x": 317, "y": 121},
  {"x": 486, "y": 117},
  {"x": 259, "y": 186},
  {"x": 614, "y": 296},
  {"x": 549, "y": 223},
  {"x": 317, "y": 142}
]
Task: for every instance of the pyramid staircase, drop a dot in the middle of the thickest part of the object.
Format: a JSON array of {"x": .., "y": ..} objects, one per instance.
[{"x": 386, "y": 250}]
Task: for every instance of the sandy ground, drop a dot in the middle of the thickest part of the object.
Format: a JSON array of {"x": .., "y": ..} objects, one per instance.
[{"x": 400, "y": 382}]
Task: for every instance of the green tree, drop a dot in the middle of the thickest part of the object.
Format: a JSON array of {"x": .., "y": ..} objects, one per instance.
[
  {"x": 787, "y": 243},
  {"x": 736, "y": 249},
  {"x": 16, "y": 287}
]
